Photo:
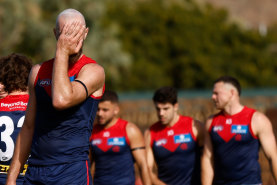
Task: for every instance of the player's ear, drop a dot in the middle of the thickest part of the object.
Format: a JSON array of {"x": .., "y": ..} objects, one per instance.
[
  {"x": 55, "y": 33},
  {"x": 233, "y": 91},
  {"x": 86, "y": 33},
  {"x": 117, "y": 109},
  {"x": 176, "y": 106}
]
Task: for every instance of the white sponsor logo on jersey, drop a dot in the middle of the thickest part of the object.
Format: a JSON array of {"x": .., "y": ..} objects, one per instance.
[
  {"x": 96, "y": 142},
  {"x": 239, "y": 129},
  {"x": 120, "y": 141},
  {"x": 182, "y": 138},
  {"x": 217, "y": 128},
  {"x": 161, "y": 142},
  {"x": 14, "y": 105},
  {"x": 44, "y": 82}
]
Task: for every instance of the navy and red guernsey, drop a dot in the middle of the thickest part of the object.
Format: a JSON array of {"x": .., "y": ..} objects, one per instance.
[
  {"x": 236, "y": 149},
  {"x": 114, "y": 163},
  {"x": 61, "y": 136},
  {"x": 12, "y": 114},
  {"x": 176, "y": 152}
]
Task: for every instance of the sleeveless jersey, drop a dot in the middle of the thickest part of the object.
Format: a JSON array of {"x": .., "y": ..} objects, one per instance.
[
  {"x": 236, "y": 149},
  {"x": 61, "y": 136},
  {"x": 176, "y": 152},
  {"x": 12, "y": 114},
  {"x": 114, "y": 162}
]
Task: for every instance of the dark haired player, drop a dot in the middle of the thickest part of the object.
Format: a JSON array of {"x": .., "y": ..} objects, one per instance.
[
  {"x": 3, "y": 93},
  {"x": 173, "y": 143},
  {"x": 14, "y": 72},
  {"x": 64, "y": 95},
  {"x": 233, "y": 138},
  {"x": 116, "y": 143}
]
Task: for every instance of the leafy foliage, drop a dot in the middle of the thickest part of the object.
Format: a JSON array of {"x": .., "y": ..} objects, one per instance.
[{"x": 147, "y": 44}]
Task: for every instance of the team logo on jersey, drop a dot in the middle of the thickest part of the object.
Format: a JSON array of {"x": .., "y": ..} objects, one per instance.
[
  {"x": 119, "y": 141},
  {"x": 217, "y": 128},
  {"x": 161, "y": 142},
  {"x": 96, "y": 142},
  {"x": 229, "y": 121},
  {"x": 116, "y": 149},
  {"x": 106, "y": 134},
  {"x": 184, "y": 146},
  {"x": 170, "y": 133},
  {"x": 182, "y": 138},
  {"x": 239, "y": 129},
  {"x": 238, "y": 137},
  {"x": 44, "y": 82}
]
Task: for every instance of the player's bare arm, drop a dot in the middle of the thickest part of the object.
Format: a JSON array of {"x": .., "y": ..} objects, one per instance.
[
  {"x": 22, "y": 149},
  {"x": 262, "y": 128},
  {"x": 66, "y": 94},
  {"x": 198, "y": 129},
  {"x": 207, "y": 157},
  {"x": 137, "y": 146},
  {"x": 151, "y": 160},
  {"x": 92, "y": 162}
]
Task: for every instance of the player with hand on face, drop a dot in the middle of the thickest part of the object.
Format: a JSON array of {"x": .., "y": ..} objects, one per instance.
[{"x": 64, "y": 96}]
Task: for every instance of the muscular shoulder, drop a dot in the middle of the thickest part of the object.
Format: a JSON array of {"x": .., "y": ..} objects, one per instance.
[
  {"x": 209, "y": 121},
  {"x": 33, "y": 74},
  {"x": 132, "y": 129},
  {"x": 93, "y": 69},
  {"x": 198, "y": 129},
  {"x": 259, "y": 122},
  {"x": 93, "y": 75},
  {"x": 134, "y": 134}
]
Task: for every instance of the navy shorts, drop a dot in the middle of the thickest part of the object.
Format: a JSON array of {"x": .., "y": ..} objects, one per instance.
[
  {"x": 77, "y": 173},
  {"x": 3, "y": 178}
]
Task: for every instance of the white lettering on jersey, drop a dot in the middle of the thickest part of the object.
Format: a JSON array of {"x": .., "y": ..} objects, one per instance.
[
  {"x": 217, "y": 128},
  {"x": 14, "y": 105},
  {"x": 96, "y": 142},
  {"x": 161, "y": 142}
]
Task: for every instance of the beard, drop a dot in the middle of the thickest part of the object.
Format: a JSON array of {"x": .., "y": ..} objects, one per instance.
[{"x": 75, "y": 57}]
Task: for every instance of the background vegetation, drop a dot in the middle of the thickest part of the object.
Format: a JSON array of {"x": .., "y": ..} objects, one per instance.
[{"x": 146, "y": 44}]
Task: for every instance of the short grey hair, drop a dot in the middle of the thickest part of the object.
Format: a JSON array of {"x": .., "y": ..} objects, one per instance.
[{"x": 67, "y": 13}]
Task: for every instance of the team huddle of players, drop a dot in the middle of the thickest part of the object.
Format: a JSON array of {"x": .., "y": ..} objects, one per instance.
[{"x": 53, "y": 140}]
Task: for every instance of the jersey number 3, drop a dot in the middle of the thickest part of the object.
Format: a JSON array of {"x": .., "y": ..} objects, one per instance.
[{"x": 6, "y": 136}]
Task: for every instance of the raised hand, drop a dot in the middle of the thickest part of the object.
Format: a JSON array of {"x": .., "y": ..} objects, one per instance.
[{"x": 71, "y": 38}]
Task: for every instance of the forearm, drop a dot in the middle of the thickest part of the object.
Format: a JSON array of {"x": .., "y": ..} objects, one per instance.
[
  {"x": 155, "y": 180},
  {"x": 61, "y": 85},
  {"x": 273, "y": 165},
  {"x": 146, "y": 179},
  {"x": 21, "y": 153},
  {"x": 207, "y": 173}
]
